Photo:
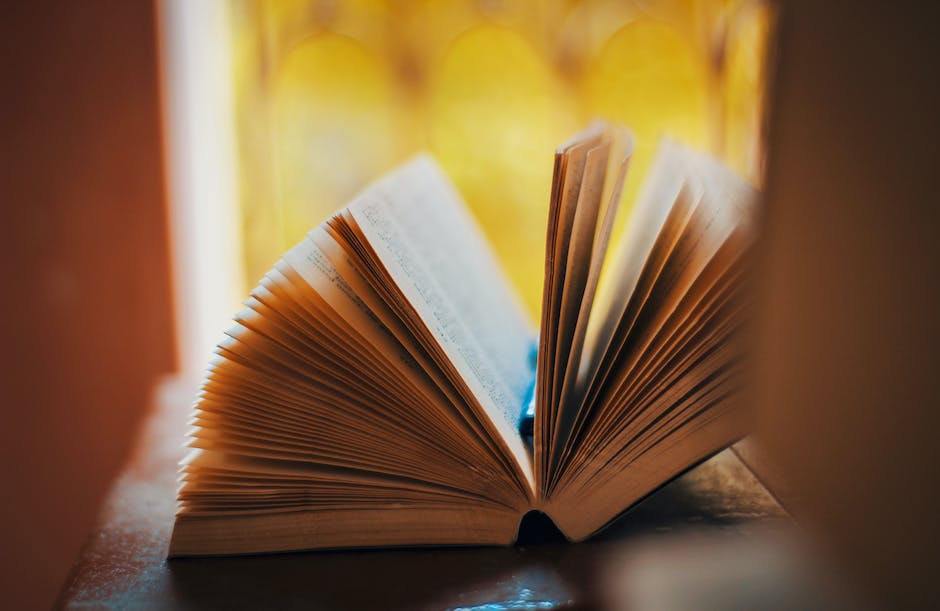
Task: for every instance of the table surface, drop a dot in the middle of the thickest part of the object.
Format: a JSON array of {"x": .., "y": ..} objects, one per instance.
[{"x": 124, "y": 563}]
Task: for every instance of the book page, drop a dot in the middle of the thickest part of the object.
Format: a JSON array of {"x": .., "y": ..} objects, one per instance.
[
  {"x": 581, "y": 231},
  {"x": 668, "y": 373},
  {"x": 587, "y": 182},
  {"x": 599, "y": 226},
  {"x": 418, "y": 362},
  {"x": 554, "y": 338},
  {"x": 440, "y": 262},
  {"x": 660, "y": 190}
]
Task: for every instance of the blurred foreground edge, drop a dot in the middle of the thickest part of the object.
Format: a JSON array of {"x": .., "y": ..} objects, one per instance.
[{"x": 848, "y": 330}]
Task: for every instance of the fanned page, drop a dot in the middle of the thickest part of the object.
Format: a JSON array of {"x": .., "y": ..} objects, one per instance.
[
  {"x": 588, "y": 179},
  {"x": 369, "y": 392},
  {"x": 658, "y": 370},
  {"x": 451, "y": 291}
]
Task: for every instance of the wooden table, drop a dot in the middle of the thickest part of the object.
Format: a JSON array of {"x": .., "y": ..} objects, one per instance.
[{"x": 124, "y": 562}]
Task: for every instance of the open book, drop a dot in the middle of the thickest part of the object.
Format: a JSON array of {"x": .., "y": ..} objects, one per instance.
[{"x": 378, "y": 387}]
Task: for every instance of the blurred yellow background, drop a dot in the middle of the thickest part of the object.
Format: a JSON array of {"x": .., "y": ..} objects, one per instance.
[{"x": 331, "y": 94}]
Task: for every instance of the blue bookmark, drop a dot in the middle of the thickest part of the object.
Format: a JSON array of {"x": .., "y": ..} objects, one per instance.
[{"x": 527, "y": 419}]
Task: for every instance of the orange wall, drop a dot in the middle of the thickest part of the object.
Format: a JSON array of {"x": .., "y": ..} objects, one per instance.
[{"x": 86, "y": 321}]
